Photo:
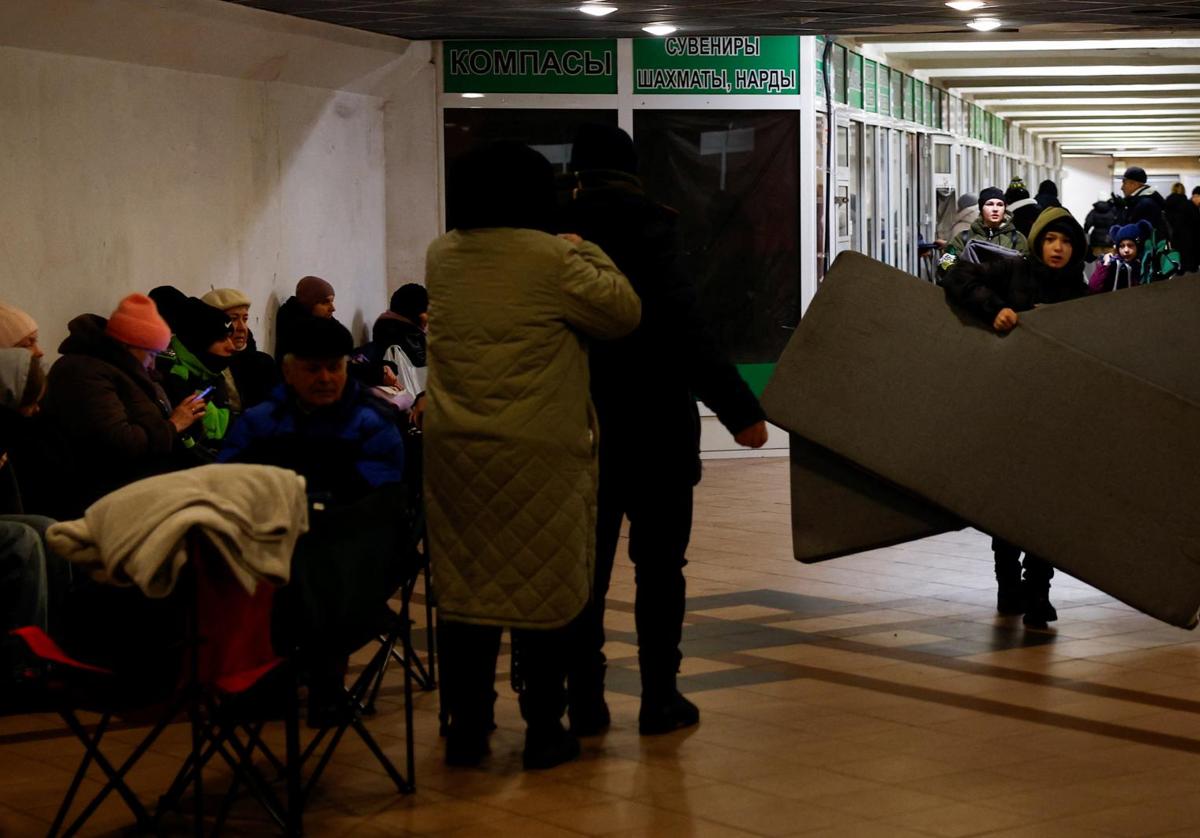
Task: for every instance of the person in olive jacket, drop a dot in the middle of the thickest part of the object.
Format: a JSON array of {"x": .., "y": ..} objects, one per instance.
[
  {"x": 110, "y": 418},
  {"x": 510, "y": 440},
  {"x": 996, "y": 293},
  {"x": 658, "y": 371},
  {"x": 994, "y": 226}
]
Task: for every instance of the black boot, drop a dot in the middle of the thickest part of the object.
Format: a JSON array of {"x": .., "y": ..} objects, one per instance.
[
  {"x": 664, "y": 709},
  {"x": 547, "y": 746},
  {"x": 1038, "y": 610},
  {"x": 1010, "y": 595},
  {"x": 586, "y": 708},
  {"x": 666, "y": 714}
]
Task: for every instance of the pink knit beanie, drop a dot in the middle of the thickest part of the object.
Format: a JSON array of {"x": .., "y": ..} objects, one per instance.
[
  {"x": 15, "y": 326},
  {"x": 136, "y": 322}
]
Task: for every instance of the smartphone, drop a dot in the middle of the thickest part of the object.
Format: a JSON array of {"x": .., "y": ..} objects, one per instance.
[{"x": 203, "y": 394}]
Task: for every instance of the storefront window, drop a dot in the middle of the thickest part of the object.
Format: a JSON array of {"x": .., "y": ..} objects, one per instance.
[{"x": 732, "y": 176}]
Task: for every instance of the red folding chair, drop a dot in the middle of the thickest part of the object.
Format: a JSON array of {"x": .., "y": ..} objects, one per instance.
[{"x": 226, "y": 655}]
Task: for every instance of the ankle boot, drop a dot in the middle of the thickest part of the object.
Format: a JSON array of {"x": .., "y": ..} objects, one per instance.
[
  {"x": 587, "y": 710},
  {"x": 665, "y": 714},
  {"x": 547, "y": 746},
  {"x": 1038, "y": 611},
  {"x": 1010, "y": 597}
]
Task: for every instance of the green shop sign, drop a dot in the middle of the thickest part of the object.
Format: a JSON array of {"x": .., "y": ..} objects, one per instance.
[
  {"x": 870, "y": 91},
  {"x": 530, "y": 66},
  {"x": 749, "y": 64},
  {"x": 854, "y": 80}
]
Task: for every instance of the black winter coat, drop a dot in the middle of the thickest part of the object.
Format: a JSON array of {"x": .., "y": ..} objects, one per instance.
[
  {"x": 1184, "y": 220},
  {"x": 392, "y": 330},
  {"x": 290, "y": 315},
  {"x": 255, "y": 375},
  {"x": 1102, "y": 216},
  {"x": 645, "y": 385},
  {"x": 1146, "y": 204},
  {"x": 1020, "y": 284},
  {"x": 108, "y": 417}
]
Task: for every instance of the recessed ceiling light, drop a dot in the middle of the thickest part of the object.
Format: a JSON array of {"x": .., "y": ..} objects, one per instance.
[
  {"x": 966, "y": 5},
  {"x": 660, "y": 29},
  {"x": 472, "y": 95},
  {"x": 597, "y": 9},
  {"x": 984, "y": 24}
]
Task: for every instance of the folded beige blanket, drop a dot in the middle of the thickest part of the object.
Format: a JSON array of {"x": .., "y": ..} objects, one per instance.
[{"x": 251, "y": 514}]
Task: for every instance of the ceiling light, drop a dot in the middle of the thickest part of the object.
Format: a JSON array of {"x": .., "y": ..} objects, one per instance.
[
  {"x": 660, "y": 29},
  {"x": 966, "y": 5},
  {"x": 472, "y": 95},
  {"x": 597, "y": 9},
  {"x": 984, "y": 24}
]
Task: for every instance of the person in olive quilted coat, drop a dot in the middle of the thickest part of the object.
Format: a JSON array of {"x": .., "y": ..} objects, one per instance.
[{"x": 511, "y": 440}]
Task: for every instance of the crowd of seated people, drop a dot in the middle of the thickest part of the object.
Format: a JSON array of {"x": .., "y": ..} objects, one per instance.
[
  {"x": 504, "y": 455},
  {"x": 164, "y": 383}
]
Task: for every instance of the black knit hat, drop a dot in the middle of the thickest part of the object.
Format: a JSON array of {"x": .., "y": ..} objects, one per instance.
[
  {"x": 1196, "y": 190},
  {"x": 603, "y": 147},
  {"x": 500, "y": 184},
  {"x": 1015, "y": 193},
  {"x": 1135, "y": 173},
  {"x": 320, "y": 338},
  {"x": 199, "y": 325},
  {"x": 410, "y": 300},
  {"x": 1048, "y": 187},
  {"x": 992, "y": 193},
  {"x": 169, "y": 300}
]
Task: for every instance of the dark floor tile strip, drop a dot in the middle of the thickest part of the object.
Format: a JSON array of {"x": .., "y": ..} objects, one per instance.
[{"x": 976, "y": 703}]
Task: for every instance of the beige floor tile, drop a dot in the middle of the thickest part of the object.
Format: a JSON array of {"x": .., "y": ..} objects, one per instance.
[
  {"x": 881, "y": 802},
  {"x": 900, "y": 637},
  {"x": 741, "y": 612},
  {"x": 958, "y": 819}
]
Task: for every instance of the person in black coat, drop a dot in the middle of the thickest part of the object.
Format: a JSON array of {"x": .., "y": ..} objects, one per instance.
[
  {"x": 1141, "y": 202},
  {"x": 1023, "y": 209},
  {"x": 1184, "y": 220},
  {"x": 644, "y": 388},
  {"x": 313, "y": 298},
  {"x": 1047, "y": 195},
  {"x": 995, "y": 293},
  {"x": 1101, "y": 218},
  {"x": 110, "y": 419}
]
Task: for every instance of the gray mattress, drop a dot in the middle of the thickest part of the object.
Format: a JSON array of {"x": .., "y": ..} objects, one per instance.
[{"x": 1076, "y": 436}]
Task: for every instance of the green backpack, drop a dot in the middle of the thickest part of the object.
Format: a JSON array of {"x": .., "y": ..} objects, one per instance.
[{"x": 1159, "y": 260}]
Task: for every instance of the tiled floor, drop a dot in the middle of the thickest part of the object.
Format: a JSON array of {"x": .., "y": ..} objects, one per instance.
[{"x": 877, "y": 694}]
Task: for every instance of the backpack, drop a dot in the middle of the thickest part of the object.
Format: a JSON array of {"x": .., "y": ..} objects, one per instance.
[{"x": 1159, "y": 260}]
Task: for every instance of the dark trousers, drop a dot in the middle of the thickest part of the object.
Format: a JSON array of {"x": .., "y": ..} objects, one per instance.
[
  {"x": 660, "y": 526},
  {"x": 467, "y": 656},
  {"x": 1038, "y": 571}
]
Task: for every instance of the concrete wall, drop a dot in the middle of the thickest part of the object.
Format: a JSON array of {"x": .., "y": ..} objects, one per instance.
[
  {"x": 203, "y": 144},
  {"x": 1085, "y": 180}
]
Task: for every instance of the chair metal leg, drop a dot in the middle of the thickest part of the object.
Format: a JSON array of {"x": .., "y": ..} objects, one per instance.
[{"x": 89, "y": 749}]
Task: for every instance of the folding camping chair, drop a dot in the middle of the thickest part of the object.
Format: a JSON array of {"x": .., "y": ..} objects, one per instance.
[
  {"x": 352, "y": 557},
  {"x": 225, "y": 654}
]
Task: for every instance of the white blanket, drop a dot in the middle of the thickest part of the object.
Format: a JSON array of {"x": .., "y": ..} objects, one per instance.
[{"x": 136, "y": 536}]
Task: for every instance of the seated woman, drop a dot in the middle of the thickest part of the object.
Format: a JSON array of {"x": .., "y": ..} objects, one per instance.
[
  {"x": 251, "y": 374},
  {"x": 33, "y": 580},
  {"x": 110, "y": 420},
  {"x": 201, "y": 348}
]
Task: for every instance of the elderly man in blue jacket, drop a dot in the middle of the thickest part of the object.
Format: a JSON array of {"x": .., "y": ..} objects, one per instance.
[{"x": 319, "y": 422}]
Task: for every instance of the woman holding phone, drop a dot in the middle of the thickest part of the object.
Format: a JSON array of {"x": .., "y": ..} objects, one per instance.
[
  {"x": 200, "y": 350},
  {"x": 108, "y": 419}
]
